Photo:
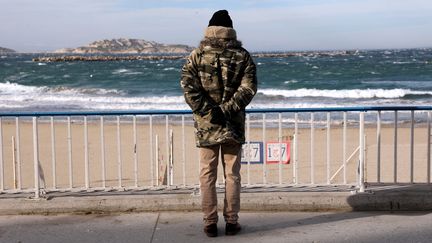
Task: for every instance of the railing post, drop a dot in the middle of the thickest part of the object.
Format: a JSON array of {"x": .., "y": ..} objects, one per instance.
[
  {"x": 379, "y": 147},
  {"x": 395, "y": 153},
  {"x": 171, "y": 157},
  {"x": 167, "y": 142},
  {"x": 280, "y": 147},
  {"x": 264, "y": 148},
  {"x": 119, "y": 154},
  {"x": 183, "y": 150},
  {"x": 36, "y": 159},
  {"x": 18, "y": 151},
  {"x": 157, "y": 160},
  {"x": 53, "y": 153},
  {"x": 1, "y": 157},
  {"x": 312, "y": 149},
  {"x": 248, "y": 146},
  {"x": 412, "y": 148},
  {"x": 361, "y": 182},
  {"x": 295, "y": 154},
  {"x": 344, "y": 145},
  {"x": 135, "y": 151},
  {"x": 69, "y": 139},
  {"x": 14, "y": 164},
  {"x": 86, "y": 155},
  {"x": 429, "y": 118},
  {"x": 151, "y": 151},
  {"x": 102, "y": 142},
  {"x": 328, "y": 147}
]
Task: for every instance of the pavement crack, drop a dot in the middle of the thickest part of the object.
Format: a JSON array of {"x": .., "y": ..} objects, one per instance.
[{"x": 154, "y": 228}]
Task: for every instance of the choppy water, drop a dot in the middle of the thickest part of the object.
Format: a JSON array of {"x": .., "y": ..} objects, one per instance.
[{"x": 382, "y": 77}]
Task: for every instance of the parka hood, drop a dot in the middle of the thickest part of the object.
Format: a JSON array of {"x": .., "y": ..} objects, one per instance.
[{"x": 220, "y": 37}]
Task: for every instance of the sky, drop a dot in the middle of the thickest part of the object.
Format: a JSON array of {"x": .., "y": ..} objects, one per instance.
[{"x": 262, "y": 25}]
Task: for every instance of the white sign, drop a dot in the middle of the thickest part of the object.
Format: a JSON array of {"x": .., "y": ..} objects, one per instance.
[
  {"x": 278, "y": 152},
  {"x": 252, "y": 152}
]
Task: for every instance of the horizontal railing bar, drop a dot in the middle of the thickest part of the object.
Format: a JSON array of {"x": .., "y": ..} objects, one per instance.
[
  {"x": 184, "y": 112},
  {"x": 340, "y": 109}
]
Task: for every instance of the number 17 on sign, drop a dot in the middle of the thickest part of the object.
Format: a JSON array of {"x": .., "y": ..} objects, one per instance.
[{"x": 278, "y": 152}]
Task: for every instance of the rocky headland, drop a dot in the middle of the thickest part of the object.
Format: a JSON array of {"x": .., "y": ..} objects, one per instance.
[
  {"x": 6, "y": 50},
  {"x": 126, "y": 46}
]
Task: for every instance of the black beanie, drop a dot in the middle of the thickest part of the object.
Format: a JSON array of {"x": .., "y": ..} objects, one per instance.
[{"x": 221, "y": 18}]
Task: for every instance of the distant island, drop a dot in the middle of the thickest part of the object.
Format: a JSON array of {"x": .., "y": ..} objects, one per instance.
[
  {"x": 6, "y": 50},
  {"x": 123, "y": 49},
  {"x": 82, "y": 57},
  {"x": 126, "y": 46}
]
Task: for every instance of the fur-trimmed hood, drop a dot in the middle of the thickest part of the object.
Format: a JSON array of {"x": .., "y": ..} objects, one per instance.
[{"x": 220, "y": 37}]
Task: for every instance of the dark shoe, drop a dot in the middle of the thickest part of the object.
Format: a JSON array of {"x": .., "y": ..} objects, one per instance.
[
  {"x": 211, "y": 230},
  {"x": 232, "y": 229}
]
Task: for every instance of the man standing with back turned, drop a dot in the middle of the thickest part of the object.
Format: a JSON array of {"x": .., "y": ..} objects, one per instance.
[{"x": 219, "y": 81}]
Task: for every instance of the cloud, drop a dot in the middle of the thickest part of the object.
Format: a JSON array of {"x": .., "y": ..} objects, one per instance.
[
  {"x": 29, "y": 25},
  {"x": 338, "y": 24}
]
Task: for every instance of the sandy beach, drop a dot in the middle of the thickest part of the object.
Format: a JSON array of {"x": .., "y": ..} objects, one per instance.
[{"x": 253, "y": 174}]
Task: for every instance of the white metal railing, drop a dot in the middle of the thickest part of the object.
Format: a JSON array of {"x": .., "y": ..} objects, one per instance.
[{"x": 86, "y": 151}]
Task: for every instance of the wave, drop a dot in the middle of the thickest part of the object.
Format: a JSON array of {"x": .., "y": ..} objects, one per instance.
[
  {"x": 18, "y": 96},
  {"x": 124, "y": 71},
  {"x": 9, "y": 88},
  {"x": 171, "y": 69},
  {"x": 121, "y": 70},
  {"x": 346, "y": 93},
  {"x": 396, "y": 62},
  {"x": 15, "y": 96},
  {"x": 292, "y": 81},
  {"x": 14, "y": 88}
]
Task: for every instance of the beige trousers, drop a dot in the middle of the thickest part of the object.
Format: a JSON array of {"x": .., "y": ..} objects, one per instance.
[{"x": 231, "y": 155}]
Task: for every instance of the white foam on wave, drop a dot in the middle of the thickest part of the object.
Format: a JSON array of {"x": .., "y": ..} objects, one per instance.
[
  {"x": 396, "y": 62},
  {"x": 270, "y": 105},
  {"x": 124, "y": 71},
  {"x": 133, "y": 73},
  {"x": 292, "y": 81},
  {"x": 14, "y": 89},
  {"x": 15, "y": 95},
  {"x": 121, "y": 70},
  {"x": 17, "y": 89},
  {"x": 171, "y": 69},
  {"x": 345, "y": 93}
]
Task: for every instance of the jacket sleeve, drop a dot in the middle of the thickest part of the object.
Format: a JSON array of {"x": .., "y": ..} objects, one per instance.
[
  {"x": 245, "y": 92},
  {"x": 194, "y": 94}
]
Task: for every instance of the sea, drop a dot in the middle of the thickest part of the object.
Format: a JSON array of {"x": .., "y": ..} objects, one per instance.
[{"x": 401, "y": 77}]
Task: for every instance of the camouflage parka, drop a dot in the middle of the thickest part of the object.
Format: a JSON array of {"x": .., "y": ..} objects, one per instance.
[{"x": 219, "y": 73}]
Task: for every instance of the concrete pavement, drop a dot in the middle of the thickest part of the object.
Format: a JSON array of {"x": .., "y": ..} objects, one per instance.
[
  {"x": 320, "y": 198},
  {"x": 266, "y": 216},
  {"x": 187, "y": 227}
]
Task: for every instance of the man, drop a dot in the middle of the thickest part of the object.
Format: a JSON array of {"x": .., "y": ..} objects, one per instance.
[{"x": 219, "y": 81}]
